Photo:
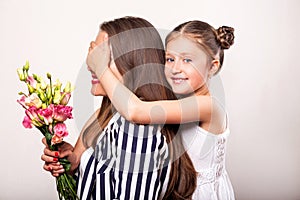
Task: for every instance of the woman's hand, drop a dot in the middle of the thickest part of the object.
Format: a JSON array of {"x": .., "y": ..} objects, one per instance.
[
  {"x": 99, "y": 56},
  {"x": 51, "y": 157}
]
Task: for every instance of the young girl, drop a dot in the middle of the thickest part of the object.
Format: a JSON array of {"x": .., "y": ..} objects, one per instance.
[
  {"x": 194, "y": 53},
  {"x": 118, "y": 159}
]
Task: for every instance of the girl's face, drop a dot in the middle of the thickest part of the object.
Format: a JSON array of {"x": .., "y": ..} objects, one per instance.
[
  {"x": 97, "y": 89},
  {"x": 186, "y": 67}
]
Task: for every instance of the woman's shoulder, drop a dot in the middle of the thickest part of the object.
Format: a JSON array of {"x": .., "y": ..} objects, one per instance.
[{"x": 135, "y": 129}]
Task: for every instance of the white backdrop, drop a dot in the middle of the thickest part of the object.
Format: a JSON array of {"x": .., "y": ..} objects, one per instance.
[{"x": 260, "y": 77}]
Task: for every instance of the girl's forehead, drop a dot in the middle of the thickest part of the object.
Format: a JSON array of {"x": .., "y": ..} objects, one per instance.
[{"x": 184, "y": 45}]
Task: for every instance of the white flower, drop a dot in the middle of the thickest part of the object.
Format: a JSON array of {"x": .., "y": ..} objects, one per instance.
[{"x": 33, "y": 100}]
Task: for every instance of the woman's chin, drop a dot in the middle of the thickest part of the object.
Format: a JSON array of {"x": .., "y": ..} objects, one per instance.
[{"x": 97, "y": 90}]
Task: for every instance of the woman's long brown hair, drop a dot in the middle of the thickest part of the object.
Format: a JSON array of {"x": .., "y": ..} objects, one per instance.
[{"x": 139, "y": 56}]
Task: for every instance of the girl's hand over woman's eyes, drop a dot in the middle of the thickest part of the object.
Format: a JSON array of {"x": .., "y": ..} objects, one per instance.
[{"x": 98, "y": 59}]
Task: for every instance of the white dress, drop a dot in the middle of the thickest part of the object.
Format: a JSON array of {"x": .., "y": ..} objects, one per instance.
[{"x": 207, "y": 152}]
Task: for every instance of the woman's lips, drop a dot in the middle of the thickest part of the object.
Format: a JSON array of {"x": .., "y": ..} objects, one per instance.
[{"x": 95, "y": 79}]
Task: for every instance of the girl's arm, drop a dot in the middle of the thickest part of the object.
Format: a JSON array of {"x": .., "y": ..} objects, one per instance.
[
  {"x": 189, "y": 109},
  {"x": 193, "y": 108}
]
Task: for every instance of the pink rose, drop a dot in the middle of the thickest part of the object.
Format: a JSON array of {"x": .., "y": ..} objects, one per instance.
[
  {"x": 27, "y": 122},
  {"x": 60, "y": 130},
  {"x": 32, "y": 114},
  {"x": 61, "y": 112},
  {"x": 46, "y": 114}
]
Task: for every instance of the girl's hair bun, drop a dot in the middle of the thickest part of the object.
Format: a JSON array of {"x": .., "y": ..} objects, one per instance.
[{"x": 225, "y": 36}]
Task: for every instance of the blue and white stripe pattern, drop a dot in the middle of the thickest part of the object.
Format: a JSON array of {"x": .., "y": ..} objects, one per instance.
[{"x": 130, "y": 162}]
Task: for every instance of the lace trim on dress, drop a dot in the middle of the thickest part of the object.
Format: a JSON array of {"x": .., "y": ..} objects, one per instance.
[{"x": 212, "y": 174}]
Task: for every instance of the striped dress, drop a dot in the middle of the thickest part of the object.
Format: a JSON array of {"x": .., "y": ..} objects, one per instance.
[{"x": 130, "y": 161}]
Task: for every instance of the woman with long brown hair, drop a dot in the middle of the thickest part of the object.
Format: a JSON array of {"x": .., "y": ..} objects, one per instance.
[{"x": 118, "y": 159}]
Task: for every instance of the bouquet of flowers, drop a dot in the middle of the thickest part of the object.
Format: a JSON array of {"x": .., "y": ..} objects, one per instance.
[{"x": 46, "y": 109}]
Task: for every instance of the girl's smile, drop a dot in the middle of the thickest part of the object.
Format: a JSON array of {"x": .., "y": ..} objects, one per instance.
[{"x": 178, "y": 81}]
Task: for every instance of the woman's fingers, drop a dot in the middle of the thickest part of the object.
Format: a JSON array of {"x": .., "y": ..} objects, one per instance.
[
  {"x": 55, "y": 168},
  {"x": 51, "y": 166},
  {"x": 63, "y": 150},
  {"x": 58, "y": 171},
  {"x": 48, "y": 152},
  {"x": 50, "y": 156},
  {"x": 49, "y": 159}
]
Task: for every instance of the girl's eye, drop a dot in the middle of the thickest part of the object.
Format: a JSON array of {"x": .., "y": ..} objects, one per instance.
[
  {"x": 169, "y": 59},
  {"x": 187, "y": 60}
]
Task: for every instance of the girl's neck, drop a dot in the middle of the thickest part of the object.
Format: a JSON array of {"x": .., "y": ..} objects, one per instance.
[{"x": 202, "y": 91}]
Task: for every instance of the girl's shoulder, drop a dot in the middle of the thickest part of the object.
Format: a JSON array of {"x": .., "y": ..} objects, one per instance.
[
  {"x": 224, "y": 133},
  {"x": 193, "y": 129},
  {"x": 216, "y": 121}
]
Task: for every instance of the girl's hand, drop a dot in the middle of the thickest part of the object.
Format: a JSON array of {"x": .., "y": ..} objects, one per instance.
[
  {"x": 51, "y": 157},
  {"x": 98, "y": 59}
]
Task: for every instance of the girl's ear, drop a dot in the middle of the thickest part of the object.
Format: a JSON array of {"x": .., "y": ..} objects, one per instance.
[{"x": 215, "y": 66}]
